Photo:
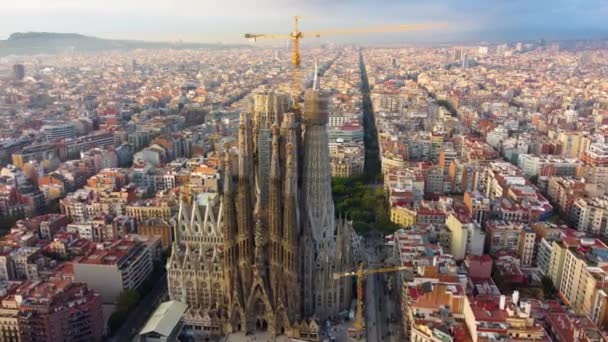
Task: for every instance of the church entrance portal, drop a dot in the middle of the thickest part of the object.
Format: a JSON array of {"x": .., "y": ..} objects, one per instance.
[{"x": 261, "y": 324}]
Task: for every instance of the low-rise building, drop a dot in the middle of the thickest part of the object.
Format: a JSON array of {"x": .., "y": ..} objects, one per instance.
[
  {"x": 577, "y": 273},
  {"x": 565, "y": 327},
  {"x": 165, "y": 324},
  {"x": 596, "y": 155},
  {"x": 465, "y": 237},
  {"x": 547, "y": 166},
  {"x": 345, "y": 166},
  {"x": 479, "y": 266},
  {"x": 591, "y": 215},
  {"x": 478, "y": 205},
  {"x": 51, "y": 311},
  {"x": 403, "y": 216},
  {"x": 565, "y": 191},
  {"x": 495, "y": 318},
  {"x": 164, "y": 207},
  {"x": 512, "y": 237},
  {"x": 110, "y": 268},
  {"x": 435, "y": 312},
  {"x": 156, "y": 227},
  {"x": 433, "y": 212},
  {"x": 25, "y": 262}
]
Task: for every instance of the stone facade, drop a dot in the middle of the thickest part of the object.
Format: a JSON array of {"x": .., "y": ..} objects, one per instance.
[{"x": 265, "y": 260}]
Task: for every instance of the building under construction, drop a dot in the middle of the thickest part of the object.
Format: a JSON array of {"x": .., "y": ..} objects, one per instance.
[{"x": 267, "y": 259}]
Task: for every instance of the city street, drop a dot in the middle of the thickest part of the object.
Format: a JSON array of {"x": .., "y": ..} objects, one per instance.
[
  {"x": 275, "y": 171},
  {"x": 379, "y": 305},
  {"x": 372, "y": 313},
  {"x": 387, "y": 307},
  {"x": 371, "y": 296},
  {"x": 139, "y": 316}
]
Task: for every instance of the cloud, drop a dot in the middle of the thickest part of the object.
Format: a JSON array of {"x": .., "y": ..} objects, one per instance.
[{"x": 210, "y": 20}]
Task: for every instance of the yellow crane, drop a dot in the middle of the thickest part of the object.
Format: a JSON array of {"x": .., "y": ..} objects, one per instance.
[
  {"x": 360, "y": 273},
  {"x": 296, "y": 35}
]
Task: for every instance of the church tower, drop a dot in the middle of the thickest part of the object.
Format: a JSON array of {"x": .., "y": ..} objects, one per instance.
[
  {"x": 322, "y": 251},
  {"x": 228, "y": 221},
  {"x": 244, "y": 203},
  {"x": 290, "y": 258},
  {"x": 275, "y": 222}
]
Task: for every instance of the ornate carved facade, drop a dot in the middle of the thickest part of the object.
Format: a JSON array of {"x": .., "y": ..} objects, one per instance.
[
  {"x": 267, "y": 261},
  {"x": 195, "y": 269}
]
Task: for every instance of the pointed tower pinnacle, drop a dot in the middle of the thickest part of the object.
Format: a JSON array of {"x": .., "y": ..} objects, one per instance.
[
  {"x": 175, "y": 224},
  {"x": 244, "y": 203},
  {"x": 275, "y": 211},
  {"x": 230, "y": 227},
  {"x": 275, "y": 218},
  {"x": 291, "y": 230},
  {"x": 227, "y": 172},
  {"x": 275, "y": 167},
  {"x": 245, "y": 147},
  {"x": 317, "y": 195}
]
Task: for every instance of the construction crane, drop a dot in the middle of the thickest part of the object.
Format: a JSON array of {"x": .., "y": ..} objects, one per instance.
[
  {"x": 296, "y": 35},
  {"x": 360, "y": 273}
]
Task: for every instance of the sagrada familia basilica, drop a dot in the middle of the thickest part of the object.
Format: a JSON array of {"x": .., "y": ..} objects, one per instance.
[{"x": 262, "y": 254}]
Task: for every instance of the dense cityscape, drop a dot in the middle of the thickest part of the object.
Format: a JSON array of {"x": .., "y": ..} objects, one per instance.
[{"x": 448, "y": 192}]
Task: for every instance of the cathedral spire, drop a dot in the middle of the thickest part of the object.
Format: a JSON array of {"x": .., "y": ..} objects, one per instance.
[
  {"x": 244, "y": 202},
  {"x": 275, "y": 208},
  {"x": 275, "y": 167},
  {"x": 290, "y": 172},
  {"x": 227, "y": 173},
  {"x": 275, "y": 212},
  {"x": 245, "y": 147},
  {"x": 228, "y": 215},
  {"x": 318, "y": 202},
  {"x": 174, "y": 260},
  {"x": 290, "y": 214},
  {"x": 291, "y": 231},
  {"x": 175, "y": 223}
]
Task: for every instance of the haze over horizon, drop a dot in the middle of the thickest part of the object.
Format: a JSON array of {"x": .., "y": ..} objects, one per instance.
[{"x": 226, "y": 21}]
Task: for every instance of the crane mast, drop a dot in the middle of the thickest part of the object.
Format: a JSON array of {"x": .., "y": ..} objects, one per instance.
[
  {"x": 360, "y": 273},
  {"x": 296, "y": 35}
]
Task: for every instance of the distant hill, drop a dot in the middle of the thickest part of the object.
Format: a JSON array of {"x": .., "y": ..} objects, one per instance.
[{"x": 29, "y": 43}]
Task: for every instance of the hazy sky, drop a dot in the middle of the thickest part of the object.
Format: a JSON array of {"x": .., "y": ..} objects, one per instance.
[{"x": 227, "y": 20}]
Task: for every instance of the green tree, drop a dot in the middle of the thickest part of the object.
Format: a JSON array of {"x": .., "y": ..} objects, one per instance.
[
  {"x": 339, "y": 190},
  {"x": 127, "y": 300},
  {"x": 364, "y": 204},
  {"x": 360, "y": 227},
  {"x": 549, "y": 289},
  {"x": 115, "y": 321}
]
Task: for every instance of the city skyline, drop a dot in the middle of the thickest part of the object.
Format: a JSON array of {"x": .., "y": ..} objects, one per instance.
[
  {"x": 169, "y": 182},
  {"x": 194, "y": 21}
]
